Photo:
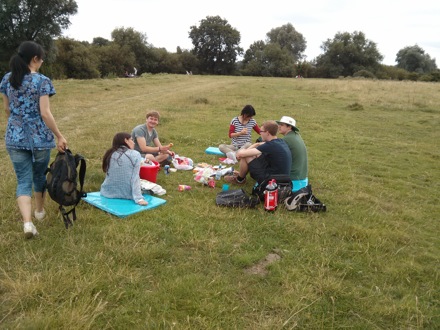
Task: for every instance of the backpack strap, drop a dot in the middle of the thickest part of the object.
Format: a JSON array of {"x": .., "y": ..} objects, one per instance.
[
  {"x": 66, "y": 215},
  {"x": 82, "y": 173}
]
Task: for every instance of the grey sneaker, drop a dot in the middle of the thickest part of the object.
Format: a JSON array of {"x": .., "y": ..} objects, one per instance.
[
  {"x": 29, "y": 230},
  {"x": 40, "y": 215}
]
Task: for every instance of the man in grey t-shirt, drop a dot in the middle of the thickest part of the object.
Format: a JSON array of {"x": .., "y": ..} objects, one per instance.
[{"x": 146, "y": 140}]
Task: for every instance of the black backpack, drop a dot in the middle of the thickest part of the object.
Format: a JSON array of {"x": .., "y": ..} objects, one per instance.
[
  {"x": 62, "y": 185},
  {"x": 303, "y": 200},
  {"x": 284, "y": 184},
  {"x": 236, "y": 198}
]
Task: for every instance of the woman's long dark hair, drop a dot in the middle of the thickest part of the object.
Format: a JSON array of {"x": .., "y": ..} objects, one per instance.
[
  {"x": 118, "y": 142},
  {"x": 19, "y": 63}
]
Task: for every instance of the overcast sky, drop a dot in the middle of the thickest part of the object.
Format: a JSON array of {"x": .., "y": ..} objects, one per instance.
[{"x": 391, "y": 24}]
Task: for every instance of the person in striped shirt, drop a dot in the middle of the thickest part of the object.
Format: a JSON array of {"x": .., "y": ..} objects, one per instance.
[{"x": 240, "y": 130}]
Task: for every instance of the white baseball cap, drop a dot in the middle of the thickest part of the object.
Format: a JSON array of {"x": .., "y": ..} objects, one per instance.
[{"x": 288, "y": 121}]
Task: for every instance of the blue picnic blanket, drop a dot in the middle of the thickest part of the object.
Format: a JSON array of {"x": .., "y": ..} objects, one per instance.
[
  {"x": 214, "y": 151},
  {"x": 121, "y": 207}
]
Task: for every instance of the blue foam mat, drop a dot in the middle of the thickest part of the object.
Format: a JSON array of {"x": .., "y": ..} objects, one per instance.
[
  {"x": 214, "y": 151},
  {"x": 121, "y": 207}
]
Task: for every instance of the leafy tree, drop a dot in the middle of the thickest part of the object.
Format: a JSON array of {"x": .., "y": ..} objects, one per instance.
[
  {"x": 215, "y": 45},
  {"x": 414, "y": 59},
  {"x": 179, "y": 62},
  {"x": 268, "y": 60},
  {"x": 280, "y": 62},
  {"x": 303, "y": 69},
  {"x": 346, "y": 54},
  {"x": 188, "y": 61},
  {"x": 36, "y": 20},
  {"x": 75, "y": 60},
  {"x": 288, "y": 38},
  {"x": 255, "y": 62},
  {"x": 163, "y": 61},
  {"x": 138, "y": 45},
  {"x": 114, "y": 59},
  {"x": 99, "y": 41}
]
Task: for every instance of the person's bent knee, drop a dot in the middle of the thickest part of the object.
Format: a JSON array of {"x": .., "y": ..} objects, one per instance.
[{"x": 150, "y": 157}]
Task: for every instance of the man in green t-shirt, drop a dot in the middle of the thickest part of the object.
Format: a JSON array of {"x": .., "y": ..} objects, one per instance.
[{"x": 299, "y": 170}]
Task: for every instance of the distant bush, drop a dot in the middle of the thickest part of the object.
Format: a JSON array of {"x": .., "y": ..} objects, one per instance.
[
  {"x": 414, "y": 76},
  {"x": 364, "y": 74},
  {"x": 433, "y": 76},
  {"x": 391, "y": 72}
]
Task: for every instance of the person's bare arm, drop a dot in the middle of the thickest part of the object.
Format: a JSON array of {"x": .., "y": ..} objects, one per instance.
[
  {"x": 143, "y": 146},
  {"x": 249, "y": 152},
  {"x": 256, "y": 145},
  {"x": 48, "y": 119},
  {"x": 163, "y": 149}
]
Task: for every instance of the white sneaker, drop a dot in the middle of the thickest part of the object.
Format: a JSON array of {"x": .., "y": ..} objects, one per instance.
[
  {"x": 29, "y": 230},
  {"x": 231, "y": 156},
  {"x": 40, "y": 215}
]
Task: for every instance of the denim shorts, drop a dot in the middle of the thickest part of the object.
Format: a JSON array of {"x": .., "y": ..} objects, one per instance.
[{"x": 29, "y": 169}]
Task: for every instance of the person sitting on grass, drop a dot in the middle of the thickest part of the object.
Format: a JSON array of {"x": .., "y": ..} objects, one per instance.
[
  {"x": 264, "y": 159},
  {"x": 122, "y": 165},
  {"x": 146, "y": 141},
  {"x": 240, "y": 130},
  {"x": 299, "y": 169}
]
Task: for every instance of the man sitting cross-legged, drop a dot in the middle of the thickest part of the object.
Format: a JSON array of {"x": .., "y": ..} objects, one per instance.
[
  {"x": 146, "y": 140},
  {"x": 261, "y": 160}
]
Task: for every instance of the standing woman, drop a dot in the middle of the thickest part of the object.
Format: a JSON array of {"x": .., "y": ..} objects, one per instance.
[
  {"x": 30, "y": 130},
  {"x": 122, "y": 164}
]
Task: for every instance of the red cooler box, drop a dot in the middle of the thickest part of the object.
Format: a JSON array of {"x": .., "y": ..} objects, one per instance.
[{"x": 149, "y": 172}]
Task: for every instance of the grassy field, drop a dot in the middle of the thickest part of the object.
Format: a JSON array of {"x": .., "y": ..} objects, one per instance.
[{"x": 371, "y": 262}]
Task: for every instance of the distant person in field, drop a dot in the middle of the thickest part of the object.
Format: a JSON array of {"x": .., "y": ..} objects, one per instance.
[
  {"x": 30, "y": 130},
  {"x": 121, "y": 165},
  {"x": 264, "y": 159},
  {"x": 240, "y": 130},
  {"x": 146, "y": 140},
  {"x": 299, "y": 170}
]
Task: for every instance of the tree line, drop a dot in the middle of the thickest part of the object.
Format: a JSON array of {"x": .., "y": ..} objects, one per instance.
[{"x": 215, "y": 51}]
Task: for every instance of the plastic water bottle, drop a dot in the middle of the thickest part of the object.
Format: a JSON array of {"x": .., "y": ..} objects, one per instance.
[{"x": 218, "y": 174}]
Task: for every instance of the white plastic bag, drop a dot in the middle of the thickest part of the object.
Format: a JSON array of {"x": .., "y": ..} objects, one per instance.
[
  {"x": 182, "y": 163},
  {"x": 204, "y": 174}
]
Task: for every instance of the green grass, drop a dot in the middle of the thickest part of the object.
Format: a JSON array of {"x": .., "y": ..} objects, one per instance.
[{"x": 370, "y": 262}]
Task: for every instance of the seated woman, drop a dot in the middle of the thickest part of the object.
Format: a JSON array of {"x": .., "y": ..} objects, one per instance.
[
  {"x": 122, "y": 164},
  {"x": 240, "y": 130}
]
